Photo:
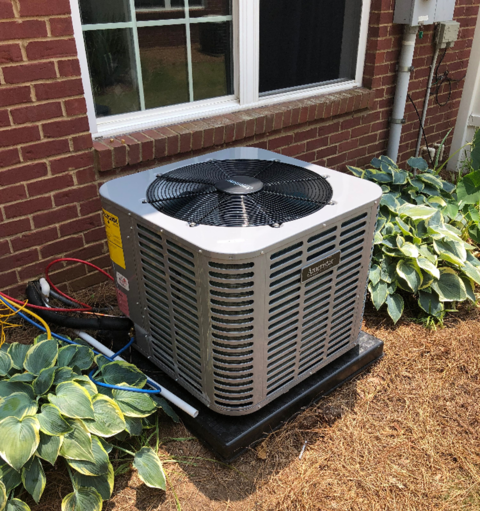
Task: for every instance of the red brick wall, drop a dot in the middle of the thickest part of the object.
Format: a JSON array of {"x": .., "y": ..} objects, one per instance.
[{"x": 49, "y": 174}]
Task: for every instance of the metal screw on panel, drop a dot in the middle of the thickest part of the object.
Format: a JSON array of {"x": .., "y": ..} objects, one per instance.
[
  {"x": 332, "y": 203},
  {"x": 130, "y": 215},
  {"x": 262, "y": 252},
  {"x": 376, "y": 202},
  {"x": 275, "y": 225},
  {"x": 324, "y": 225},
  {"x": 199, "y": 251},
  {"x": 326, "y": 177},
  {"x": 192, "y": 224},
  {"x": 128, "y": 237},
  {"x": 144, "y": 201}
]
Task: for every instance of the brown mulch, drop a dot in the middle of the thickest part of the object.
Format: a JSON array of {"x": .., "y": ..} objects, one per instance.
[{"x": 403, "y": 436}]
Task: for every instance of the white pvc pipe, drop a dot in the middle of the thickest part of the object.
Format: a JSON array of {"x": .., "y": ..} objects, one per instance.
[
  {"x": 193, "y": 412},
  {"x": 401, "y": 90}
]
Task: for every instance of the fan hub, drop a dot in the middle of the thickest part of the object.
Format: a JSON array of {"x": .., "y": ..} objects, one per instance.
[{"x": 239, "y": 185}]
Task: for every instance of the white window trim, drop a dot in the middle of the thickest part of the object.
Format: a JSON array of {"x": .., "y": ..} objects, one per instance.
[{"x": 246, "y": 16}]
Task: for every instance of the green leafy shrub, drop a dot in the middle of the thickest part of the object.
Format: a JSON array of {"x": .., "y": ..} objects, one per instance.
[
  {"x": 51, "y": 412},
  {"x": 421, "y": 246}
]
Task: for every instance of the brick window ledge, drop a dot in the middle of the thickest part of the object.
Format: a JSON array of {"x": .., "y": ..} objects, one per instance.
[{"x": 154, "y": 144}]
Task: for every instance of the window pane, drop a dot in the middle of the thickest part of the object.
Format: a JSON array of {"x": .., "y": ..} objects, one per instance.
[
  {"x": 201, "y": 8},
  {"x": 164, "y": 65},
  {"x": 104, "y": 11},
  {"x": 211, "y": 60},
  {"x": 147, "y": 10},
  {"x": 307, "y": 42},
  {"x": 112, "y": 71}
]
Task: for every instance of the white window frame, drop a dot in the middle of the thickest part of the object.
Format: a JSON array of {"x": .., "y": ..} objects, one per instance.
[{"x": 246, "y": 21}]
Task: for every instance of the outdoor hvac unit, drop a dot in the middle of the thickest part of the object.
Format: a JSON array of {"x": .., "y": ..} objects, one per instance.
[{"x": 244, "y": 271}]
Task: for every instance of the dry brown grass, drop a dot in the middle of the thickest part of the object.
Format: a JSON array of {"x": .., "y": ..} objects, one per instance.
[{"x": 403, "y": 436}]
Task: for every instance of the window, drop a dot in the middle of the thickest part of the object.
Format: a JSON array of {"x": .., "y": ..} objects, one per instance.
[{"x": 151, "y": 62}]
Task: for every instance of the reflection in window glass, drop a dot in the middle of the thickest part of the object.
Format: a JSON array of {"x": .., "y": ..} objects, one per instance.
[
  {"x": 211, "y": 60},
  {"x": 307, "y": 42},
  {"x": 148, "y": 10},
  {"x": 112, "y": 71},
  {"x": 201, "y": 8},
  {"x": 104, "y": 11},
  {"x": 164, "y": 65}
]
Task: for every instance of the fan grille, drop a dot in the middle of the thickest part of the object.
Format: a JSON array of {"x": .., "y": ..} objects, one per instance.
[{"x": 288, "y": 193}]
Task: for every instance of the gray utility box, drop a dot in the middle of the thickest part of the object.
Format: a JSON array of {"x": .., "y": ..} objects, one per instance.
[{"x": 423, "y": 12}]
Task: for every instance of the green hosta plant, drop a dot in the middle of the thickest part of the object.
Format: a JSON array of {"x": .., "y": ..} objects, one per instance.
[
  {"x": 52, "y": 413},
  {"x": 421, "y": 244}
]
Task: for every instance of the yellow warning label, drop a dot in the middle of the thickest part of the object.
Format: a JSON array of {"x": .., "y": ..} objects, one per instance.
[{"x": 114, "y": 238}]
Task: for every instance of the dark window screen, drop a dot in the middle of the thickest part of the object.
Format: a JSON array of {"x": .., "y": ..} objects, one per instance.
[{"x": 305, "y": 42}]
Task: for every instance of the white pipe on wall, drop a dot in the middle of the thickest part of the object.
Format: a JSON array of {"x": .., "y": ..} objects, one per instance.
[{"x": 401, "y": 91}]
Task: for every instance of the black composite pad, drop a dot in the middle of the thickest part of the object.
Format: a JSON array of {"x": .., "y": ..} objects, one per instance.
[{"x": 228, "y": 435}]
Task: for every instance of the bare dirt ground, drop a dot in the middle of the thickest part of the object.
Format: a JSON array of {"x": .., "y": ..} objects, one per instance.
[{"x": 403, "y": 436}]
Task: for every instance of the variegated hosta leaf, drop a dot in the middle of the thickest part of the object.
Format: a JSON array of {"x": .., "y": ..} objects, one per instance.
[
  {"x": 75, "y": 356},
  {"x": 72, "y": 400},
  {"x": 109, "y": 419},
  {"x": 430, "y": 268},
  {"x": 85, "y": 382},
  {"x": 17, "y": 405},
  {"x": 379, "y": 293},
  {"x": 6, "y": 363},
  {"x": 395, "y": 306},
  {"x": 19, "y": 439},
  {"x": 163, "y": 404},
  {"x": 119, "y": 372},
  {"x": 25, "y": 377},
  {"x": 97, "y": 467},
  {"x": 18, "y": 352},
  {"x": 134, "y": 426},
  {"x": 3, "y": 496},
  {"x": 450, "y": 287},
  {"x": 41, "y": 356},
  {"x": 9, "y": 476},
  {"x": 450, "y": 251},
  {"x": 134, "y": 404},
  {"x": 7, "y": 388},
  {"x": 410, "y": 273},
  {"x": 430, "y": 303},
  {"x": 416, "y": 212},
  {"x": 82, "y": 499},
  {"x": 77, "y": 445},
  {"x": 33, "y": 478},
  {"x": 375, "y": 274},
  {"x": 103, "y": 484},
  {"x": 17, "y": 505},
  {"x": 469, "y": 288},
  {"x": 149, "y": 468},
  {"x": 52, "y": 422},
  {"x": 63, "y": 374},
  {"x": 44, "y": 381},
  {"x": 49, "y": 447}
]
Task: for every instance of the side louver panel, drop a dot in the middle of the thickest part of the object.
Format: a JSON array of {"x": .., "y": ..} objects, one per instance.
[
  {"x": 169, "y": 278},
  {"x": 231, "y": 305}
]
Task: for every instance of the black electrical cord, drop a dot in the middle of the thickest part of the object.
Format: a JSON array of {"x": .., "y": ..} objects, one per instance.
[
  {"x": 421, "y": 127},
  {"x": 442, "y": 79},
  {"x": 92, "y": 323}
]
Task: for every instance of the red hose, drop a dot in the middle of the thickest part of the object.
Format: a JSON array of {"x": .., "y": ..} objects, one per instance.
[{"x": 73, "y": 260}]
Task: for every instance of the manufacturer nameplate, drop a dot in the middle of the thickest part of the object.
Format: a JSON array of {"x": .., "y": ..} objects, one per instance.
[{"x": 325, "y": 264}]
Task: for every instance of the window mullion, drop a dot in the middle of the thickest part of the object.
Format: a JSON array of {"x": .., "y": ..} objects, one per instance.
[
  {"x": 248, "y": 50},
  {"x": 136, "y": 49},
  {"x": 362, "y": 43},
  {"x": 189, "y": 51}
]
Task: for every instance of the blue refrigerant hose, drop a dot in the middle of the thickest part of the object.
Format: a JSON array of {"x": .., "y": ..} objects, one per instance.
[{"x": 68, "y": 341}]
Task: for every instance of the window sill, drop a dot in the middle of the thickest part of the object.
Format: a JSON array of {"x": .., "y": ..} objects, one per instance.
[{"x": 154, "y": 144}]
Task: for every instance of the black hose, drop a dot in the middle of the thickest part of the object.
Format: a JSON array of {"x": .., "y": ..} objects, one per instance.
[
  {"x": 92, "y": 323},
  {"x": 66, "y": 301}
]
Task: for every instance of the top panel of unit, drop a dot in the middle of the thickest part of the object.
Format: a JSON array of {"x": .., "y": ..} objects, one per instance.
[{"x": 129, "y": 194}]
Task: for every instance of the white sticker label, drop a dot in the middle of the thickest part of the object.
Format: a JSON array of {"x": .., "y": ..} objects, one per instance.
[
  {"x": 123, "y": 281},
  {"x": 423, "y": 18}
]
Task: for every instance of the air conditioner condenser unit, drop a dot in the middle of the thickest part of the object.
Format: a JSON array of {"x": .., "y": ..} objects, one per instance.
[{"x": 244, "y": 271}]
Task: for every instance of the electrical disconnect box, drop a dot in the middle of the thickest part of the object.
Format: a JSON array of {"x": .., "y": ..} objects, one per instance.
[
  {"x": 423, "y": 12},
  {"x": 446, "y": 34}
]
